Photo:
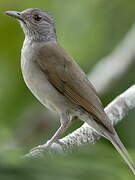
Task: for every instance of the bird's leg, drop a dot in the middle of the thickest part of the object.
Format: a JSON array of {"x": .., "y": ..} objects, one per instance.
[
  {"x": 73, "y": 119},
  {"x": 65, "y": 121}
]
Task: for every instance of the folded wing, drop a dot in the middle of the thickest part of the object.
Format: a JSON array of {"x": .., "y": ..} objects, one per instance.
[{"x": 68, "y": 78}]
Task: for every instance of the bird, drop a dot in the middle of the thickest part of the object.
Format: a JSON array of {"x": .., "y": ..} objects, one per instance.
[{"x": 58, "y": 82}]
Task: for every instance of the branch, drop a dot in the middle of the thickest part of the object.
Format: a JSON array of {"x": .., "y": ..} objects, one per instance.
[
  {"x": 113, "y": 66},
  {"x": 116, "y": 111}
]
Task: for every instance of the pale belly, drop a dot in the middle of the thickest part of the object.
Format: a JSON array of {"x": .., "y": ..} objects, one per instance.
[{"x": 38, "y": 84}]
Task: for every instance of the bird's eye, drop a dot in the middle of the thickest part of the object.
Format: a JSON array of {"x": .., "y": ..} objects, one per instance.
[{"x": 37, "y": 17}]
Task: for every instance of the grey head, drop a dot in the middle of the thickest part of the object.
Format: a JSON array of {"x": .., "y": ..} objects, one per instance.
[{"x": 38, "y": 25}]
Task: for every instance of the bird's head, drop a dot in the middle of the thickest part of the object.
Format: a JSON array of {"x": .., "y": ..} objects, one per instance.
[{"x": 37, "y": 24}]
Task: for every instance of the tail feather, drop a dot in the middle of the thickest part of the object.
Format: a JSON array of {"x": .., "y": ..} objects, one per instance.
[{"x": 115, "y": 140}]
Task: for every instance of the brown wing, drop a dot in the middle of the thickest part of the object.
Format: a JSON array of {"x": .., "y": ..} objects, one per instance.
[{"x": 67, "y": 77}]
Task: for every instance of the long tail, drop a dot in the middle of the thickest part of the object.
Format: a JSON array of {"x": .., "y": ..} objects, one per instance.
[{"x": 115, "y": 140}]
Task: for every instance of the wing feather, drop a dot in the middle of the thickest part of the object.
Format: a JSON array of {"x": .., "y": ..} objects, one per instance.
[{"x": 67, "y": 77}]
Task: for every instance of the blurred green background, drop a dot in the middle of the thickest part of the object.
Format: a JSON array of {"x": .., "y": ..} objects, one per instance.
[{"x": 88, "y": 30}]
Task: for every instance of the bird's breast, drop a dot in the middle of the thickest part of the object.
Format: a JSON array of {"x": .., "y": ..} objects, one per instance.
[{"x": 38, "y": 83}]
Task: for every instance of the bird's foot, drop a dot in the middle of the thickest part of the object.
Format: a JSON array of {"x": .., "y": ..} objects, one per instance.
[
  {"x": 45, "y": 146},
  {"x": 42, "y": 147}
]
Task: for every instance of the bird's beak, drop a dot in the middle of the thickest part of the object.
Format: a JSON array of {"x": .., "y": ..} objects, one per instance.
[{"x": 15, "y": 14}]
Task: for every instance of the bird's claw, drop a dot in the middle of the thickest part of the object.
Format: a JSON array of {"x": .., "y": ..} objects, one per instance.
[
  {"x": 45, "y": 146},
  {"x": 41, "y": 147}
]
